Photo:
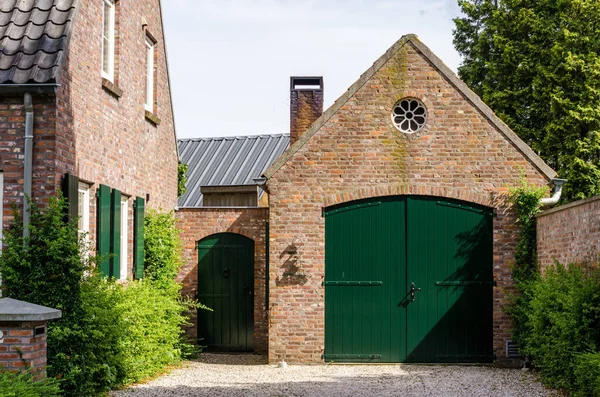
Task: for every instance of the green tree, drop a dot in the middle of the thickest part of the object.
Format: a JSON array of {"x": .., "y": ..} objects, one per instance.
[
  {"x": 536, "y": 64},
  {"x": 182, "y": 179}
]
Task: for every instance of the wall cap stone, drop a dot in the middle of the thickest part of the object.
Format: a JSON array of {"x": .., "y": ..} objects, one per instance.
[
  {"x": 567, "y": 206},
  {"x": 16, "y": 310}
]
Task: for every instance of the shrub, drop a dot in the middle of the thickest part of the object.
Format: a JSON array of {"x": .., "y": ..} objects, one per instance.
[
  {"x": 526, "y": 201},
  {"x": 109, "y": 335},
  {"x": 46, "y": 269},
  {"x": 152, "y": 323},
  {"x": 162, "y": 250},
  {"x": 24, "y": 385},
  {"x": 564, "y": 319},
  {"x": 587, "y": 375}
]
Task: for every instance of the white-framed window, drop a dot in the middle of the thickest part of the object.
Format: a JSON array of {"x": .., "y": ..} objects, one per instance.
[
  {"x": 149, "y": 100},
  {"x": 83, "y": 209},
  {"x": 108, "y": 40},
  {"x": 409, "y": 115},
  {"x": 124, "y": 237}
]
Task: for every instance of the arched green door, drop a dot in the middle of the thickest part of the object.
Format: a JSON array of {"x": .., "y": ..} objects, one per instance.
[
  {"x": 226, "y": 285},
  {"x": 376, "y": 249}
]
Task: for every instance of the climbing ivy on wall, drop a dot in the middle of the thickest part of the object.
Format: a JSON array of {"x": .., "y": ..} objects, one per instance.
[
  {"x": 526, "y": 204},
  {"x": 182, "y": 179},
  {"x": 526, "y": 201}
]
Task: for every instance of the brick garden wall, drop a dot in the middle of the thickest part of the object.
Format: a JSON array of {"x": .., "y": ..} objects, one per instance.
[
  {"x": 198, "y": 223},
  {"x": 569, "y": 233},
  {"x": 358, "y": 153}
]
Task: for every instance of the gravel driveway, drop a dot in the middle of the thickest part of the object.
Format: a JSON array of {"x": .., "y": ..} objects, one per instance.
[{"x": 249, "y": 375}]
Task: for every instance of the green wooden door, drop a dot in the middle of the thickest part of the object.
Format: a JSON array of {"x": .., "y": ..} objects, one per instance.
[
  {"x": 375, "y": 250},
  {"x": 226, "y": 285}
]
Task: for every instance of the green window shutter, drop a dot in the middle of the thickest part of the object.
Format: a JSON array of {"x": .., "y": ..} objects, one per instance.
[
  {"x": 71, "y": 193},
  {"x": 103, "y": 228},
  {"x": 138, "y": 237},
  {"x": 115, "y": 233}
]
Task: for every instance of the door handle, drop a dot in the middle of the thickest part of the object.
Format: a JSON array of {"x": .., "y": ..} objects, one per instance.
[{"x": 413, "y": 289}]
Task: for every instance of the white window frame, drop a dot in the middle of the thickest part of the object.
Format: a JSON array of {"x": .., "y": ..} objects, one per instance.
[
  {"x": 149, "y": 100},
  {"x": 110, "y": 20},
  {"x": 84, "y": 188},
  {"x": 124, "y": 238}
]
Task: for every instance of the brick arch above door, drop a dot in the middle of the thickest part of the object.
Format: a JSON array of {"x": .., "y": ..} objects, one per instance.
[{"x": 485, "y": 198}]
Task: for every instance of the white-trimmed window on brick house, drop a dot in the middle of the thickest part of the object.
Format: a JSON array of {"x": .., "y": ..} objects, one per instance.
[
  {"x": 83, "y": 209},
  {"x": 108, "y": 40},
  {"x": 149, "y": 99},
  {"x": 124, "y": 237}
]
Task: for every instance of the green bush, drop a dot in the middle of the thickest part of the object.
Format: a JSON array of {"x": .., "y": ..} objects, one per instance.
[
  {"x": 152, "y": 322},
  {"x": 24, "y": 385},
  {"x": 162, "y": 250},
  {"x": 110, "y": 335},
  {"x": 587, "y": 375},
  {"x": 526, "y": 201},
  {"x": 564, "y": 322},
  {"x": 46, "y": 269}
]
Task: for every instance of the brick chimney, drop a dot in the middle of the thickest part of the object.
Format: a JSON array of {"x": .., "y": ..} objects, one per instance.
[{"x": 306, "y": 104}]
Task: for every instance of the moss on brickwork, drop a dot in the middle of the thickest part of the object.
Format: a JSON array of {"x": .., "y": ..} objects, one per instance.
[{"x": 395, "y": 70}]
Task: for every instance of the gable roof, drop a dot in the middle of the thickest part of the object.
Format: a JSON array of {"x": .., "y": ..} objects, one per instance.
[
  {"x": 34, "y": 36},
  {"x": 227, "y": 161},
  {"x": 444, "y": 71}
]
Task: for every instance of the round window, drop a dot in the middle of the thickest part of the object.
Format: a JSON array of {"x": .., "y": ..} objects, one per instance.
[{"x": 409, "y": 115}]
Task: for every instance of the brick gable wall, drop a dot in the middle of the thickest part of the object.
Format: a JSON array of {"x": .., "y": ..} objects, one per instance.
[
  {"x": 358, "y": 153},
  {"x": 113, "y": 142},
  {"x": 106, "y": 139}
]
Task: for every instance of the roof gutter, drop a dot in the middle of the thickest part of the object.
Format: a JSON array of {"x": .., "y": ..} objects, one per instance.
[
  {"x": 558, "y": 184},
  {"x": 46, "y": 88},
  {"x": 28, "y": 163}
]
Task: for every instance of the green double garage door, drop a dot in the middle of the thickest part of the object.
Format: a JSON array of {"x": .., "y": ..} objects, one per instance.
[{"x": 408, "y": 279}]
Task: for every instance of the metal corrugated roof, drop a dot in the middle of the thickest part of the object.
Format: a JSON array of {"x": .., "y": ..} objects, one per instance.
[
  {"x": 227, "y": 161},
  {"x": 33, "y": 39}
]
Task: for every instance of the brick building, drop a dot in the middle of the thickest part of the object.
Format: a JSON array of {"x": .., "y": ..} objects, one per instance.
[
  {"x": 223, "y": 202},
  {"x": 390, "y": 237},
  {"x": 85, "y": 106}
]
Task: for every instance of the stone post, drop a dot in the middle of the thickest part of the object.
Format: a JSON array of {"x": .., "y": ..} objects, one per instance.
[{"x": 23, "y": 335}]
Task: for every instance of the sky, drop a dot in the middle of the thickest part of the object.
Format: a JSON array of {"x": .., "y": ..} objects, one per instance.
[{"x": 230, "y": 60}]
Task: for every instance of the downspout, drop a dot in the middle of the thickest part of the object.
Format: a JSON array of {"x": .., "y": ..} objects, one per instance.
[
  {"x": 28, "y": 162},
  {"x": 558, "y": 184}
]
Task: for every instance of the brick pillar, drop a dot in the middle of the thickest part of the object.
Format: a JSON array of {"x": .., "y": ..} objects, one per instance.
[
  {"x": 306, "y": 104},
  {"x": 23, "y": 346},
  {"x": 23, "y": 336}
]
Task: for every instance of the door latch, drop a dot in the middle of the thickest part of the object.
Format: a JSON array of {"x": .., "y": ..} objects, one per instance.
[{"x": 413, "y": 289}]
